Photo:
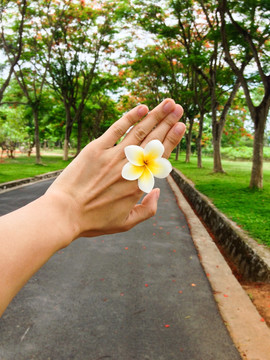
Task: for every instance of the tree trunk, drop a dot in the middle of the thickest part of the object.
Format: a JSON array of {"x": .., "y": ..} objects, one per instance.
[
  {"x": 216, "y": 151},
  {"x": 188, "y": 148},
  {"x": 199, "y": 142},
  {"x": 79, "y": 140},
  {"x": 37, "y": 142},
  {"x": 256, "y": 179},
  {"x": 217, "y": 126},
  {"x": 177, "y": 152},
  {"x": 69, "y": 124},
  {"x": 188, "y": 141},
  {"x": 217, "y": 156},
  {"x": 199, "y": 153},
  {"x": 216, "y": 148}
]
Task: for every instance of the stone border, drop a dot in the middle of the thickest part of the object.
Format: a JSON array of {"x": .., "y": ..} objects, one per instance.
[
  {"x": 20, "y": 182},
  {"x": 251, "y": 259}
]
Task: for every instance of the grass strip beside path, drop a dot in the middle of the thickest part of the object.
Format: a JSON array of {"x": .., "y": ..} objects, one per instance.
[
  {"x": 23, "y": 167},
  {"x": 230, "y": 193}
]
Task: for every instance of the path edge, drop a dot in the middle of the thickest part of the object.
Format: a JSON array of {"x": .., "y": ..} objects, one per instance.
[
  {"x": 11, "y": 185},
  {"x": 247, "y": 329},
  {"x": 251, "y": 259}
]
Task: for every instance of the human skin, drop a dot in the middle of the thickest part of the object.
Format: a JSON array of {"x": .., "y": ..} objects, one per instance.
[{"x": 89, "y": 198}]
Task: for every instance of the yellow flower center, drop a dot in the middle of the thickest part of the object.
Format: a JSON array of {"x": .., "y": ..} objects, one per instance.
[{"x": 145, "y": 162}]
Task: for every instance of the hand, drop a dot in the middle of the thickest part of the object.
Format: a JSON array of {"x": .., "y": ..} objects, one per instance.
[{"x": 90, "y": 192}]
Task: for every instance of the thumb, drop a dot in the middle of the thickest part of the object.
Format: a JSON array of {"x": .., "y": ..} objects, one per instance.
[{"x": 145, "y": 210}]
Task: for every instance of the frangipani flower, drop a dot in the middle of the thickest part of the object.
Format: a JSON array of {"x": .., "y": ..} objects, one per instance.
[{"x": 146, "y": 163}]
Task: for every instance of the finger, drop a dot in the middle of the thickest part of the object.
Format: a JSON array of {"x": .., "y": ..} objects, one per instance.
[
  {"x": 173, "y": 138},
  {"x": 161, "y": 131},
  {"x": 145, "y": 210},
  {"x": 120, "y": 127},
  {"x": 153, "y": 118}
]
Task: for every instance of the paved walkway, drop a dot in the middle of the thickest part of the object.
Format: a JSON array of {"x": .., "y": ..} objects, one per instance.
[{"x": 137, "y": 295}]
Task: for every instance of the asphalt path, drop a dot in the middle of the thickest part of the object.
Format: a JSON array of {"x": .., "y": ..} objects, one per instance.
[{"x": 136, "y": 295}]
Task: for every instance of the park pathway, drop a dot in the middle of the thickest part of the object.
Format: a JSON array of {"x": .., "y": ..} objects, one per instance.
[{"x": 136, "y": 295}]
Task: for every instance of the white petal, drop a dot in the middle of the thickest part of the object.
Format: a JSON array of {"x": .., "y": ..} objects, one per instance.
[
  {"x": 154, "y": 149},
  {"x": 132, "y": 172},
  {"x": 160, "y": 168},
  {"x": 146, "y": 181},
  {"x": 135, "y": 154}
]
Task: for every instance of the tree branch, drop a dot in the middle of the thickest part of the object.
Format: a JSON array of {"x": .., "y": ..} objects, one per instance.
[{"x": 19, "y": 51}]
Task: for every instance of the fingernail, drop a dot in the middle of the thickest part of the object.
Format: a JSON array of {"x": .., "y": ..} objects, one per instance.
[
  {"x": 179, "y": 128},
  {"x": 168, "y": 106},
  {"x": 142, "y": 110},
  {"x": 157, "y": 193},
  {"x": 178, "y": 111}
]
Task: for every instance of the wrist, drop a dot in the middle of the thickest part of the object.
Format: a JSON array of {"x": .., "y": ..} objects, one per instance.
[{"x": 61, "y": 212}]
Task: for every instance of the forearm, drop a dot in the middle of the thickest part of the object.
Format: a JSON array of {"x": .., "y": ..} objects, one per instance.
[{"x": 28, "y": 238}]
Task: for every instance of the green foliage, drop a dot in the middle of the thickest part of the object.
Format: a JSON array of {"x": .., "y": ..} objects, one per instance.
[
  {"x": 231, "y": 195},
  {"x": 99, "y": 114}
]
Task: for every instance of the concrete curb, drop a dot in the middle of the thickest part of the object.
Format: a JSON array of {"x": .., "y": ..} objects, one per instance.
[
  {"x": 250, "y": 335},
  {"x": 250, "y": 258},
  {"x": 12, "y": 184}
]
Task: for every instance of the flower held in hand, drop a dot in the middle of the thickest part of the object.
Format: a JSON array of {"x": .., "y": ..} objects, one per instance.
[{"x": 146, "y": 163}]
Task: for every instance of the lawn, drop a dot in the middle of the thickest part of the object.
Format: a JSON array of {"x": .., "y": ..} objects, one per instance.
[
  {"x": 230, "y": 193},
  {"x": 23, "y": 166}
]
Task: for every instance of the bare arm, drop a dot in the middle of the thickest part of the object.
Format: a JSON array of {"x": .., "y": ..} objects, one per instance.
[{"x": 89, "y": 198}]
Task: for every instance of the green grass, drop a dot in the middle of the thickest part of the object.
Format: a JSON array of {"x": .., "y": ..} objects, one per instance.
[
  {"x": 230, "y": 193},
  {"x": 23, "y": 166}
]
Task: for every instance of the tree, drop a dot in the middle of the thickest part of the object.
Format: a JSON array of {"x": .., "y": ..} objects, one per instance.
[
  {"x": 245, "y": 28},
  {"x": 99, "y": 114},
  {"x": 14, "y": 128},
  {"x": 83, "y": 43},
  {"x": 234, "y": 130},
  {"x": 199, "y": 34},
  {"x": 11, "y": 11},
  {"x": 195, "y": 26},
  {"x": 202, "y": 99},
  {"x": 31, "y": 71},
  {"x": 159, "y": 72}
]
